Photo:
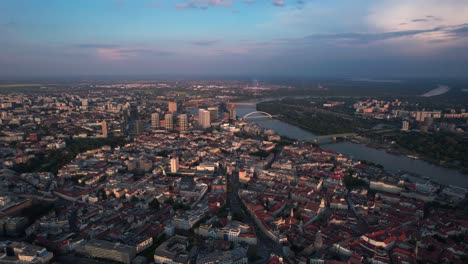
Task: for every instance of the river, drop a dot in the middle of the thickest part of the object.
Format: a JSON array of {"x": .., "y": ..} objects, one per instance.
[{"x": 391, "y": 162}]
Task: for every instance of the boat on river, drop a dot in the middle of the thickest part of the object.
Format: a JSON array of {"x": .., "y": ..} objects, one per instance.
[{"x": 412, "y": 157}]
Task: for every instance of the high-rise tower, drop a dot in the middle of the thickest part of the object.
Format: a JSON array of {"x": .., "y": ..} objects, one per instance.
[
  {"x": 232, "y": 111},
  {"x": 155, "y": 120},
  {"x": 104, "y": 128},
  {"x": 213, "y": 113},
  {"x": 204, "y": 118},
  {"x": 183, "y": 122},
  {"x": 169, "y": 118},
  {"x": 139, "y": 127}
]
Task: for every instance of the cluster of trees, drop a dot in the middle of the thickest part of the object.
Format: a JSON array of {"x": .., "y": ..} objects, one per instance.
[
  {"x": 320, "y": 122},
  {"x": 242, "y": 135},
  {"x": 285, "y": 141},
  {"x": 370, "y": 163},
  {"x": 260, "y": 153},
  {"x": 176, "y": 205},
  {"x": 352, "y": 182},
  {"x": 53, "y": 160},
  {"x": 449, "y": 148}
]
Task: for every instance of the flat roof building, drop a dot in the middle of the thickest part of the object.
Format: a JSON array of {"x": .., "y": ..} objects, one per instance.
[{"x": 108, "y": 250}]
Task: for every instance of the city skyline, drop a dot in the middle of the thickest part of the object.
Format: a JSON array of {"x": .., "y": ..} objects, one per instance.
[{"x": 237, "y": 37}]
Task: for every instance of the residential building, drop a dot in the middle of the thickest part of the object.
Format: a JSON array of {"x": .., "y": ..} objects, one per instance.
[
  {"x": 104, "y": 128},
  {"x": 172, "y": 107},
  {"x": 213, "y": 113},
  {"x": 169, "y": 118},
  {"x": 174, "y": 251},
  {"x": 183, "y": 122},
  {"x": 175, "y": 165},
  {"x": 204, "y": 118},
  {"x": 421, "y": 115},
  {"x": 232, "y": 111},
  {"x": 139, "y": 127},
  {"x": 155, "y": 123}
]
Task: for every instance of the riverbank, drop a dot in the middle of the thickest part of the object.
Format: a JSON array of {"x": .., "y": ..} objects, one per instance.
[
  {"x": 446, "y": 159},
  {"x": 391, "y": 162},
  {"x": 397, "y": 150},
  {"x": 392, "y": 149}
]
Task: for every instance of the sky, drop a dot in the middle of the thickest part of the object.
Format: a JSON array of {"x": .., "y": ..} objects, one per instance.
[{"x": 308, "y": 38}]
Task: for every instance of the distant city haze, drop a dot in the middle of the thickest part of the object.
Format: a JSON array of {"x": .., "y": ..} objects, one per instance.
[{"x": 334, "y": 38}]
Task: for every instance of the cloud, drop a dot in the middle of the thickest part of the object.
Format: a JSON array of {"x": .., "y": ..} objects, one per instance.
[
  {"x": 279, "y": 3},
  {"x": 420, "y": 20},
  {"x": 203, "y": 4},
  {"x": 109, "y": 53},
  {"x": 125, "y": 53},
  {"x": 96, "y": 46},
  {"x": 364, "y": 38},
  {"x": 424, "y": 16},
  {"x": 426, "y": 19},
  {"x": 458, "y": 31},
  {"x": 388, "y": 15},
  {"x": 145, "y": 52},
  {"x": 205, "y": 42}
]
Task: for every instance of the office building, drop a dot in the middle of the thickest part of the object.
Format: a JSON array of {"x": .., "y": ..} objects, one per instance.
[
  {"x": 183, "y": 122},
  {"x": 213, "y": 113},
  {"x": 204, "y": 118},
  {"x": 405, "y": 126},
  {"x": 172, "y": 107},
  {"x": 155, "y": 123},
  {"x": 169, "y": 118},
  {"x": 104, "y": 128},
  {"x": 139, "y": 127},
  {"x": 108, "y": 250},
  {"x": 175, "y": 165},
  {"x": 232, "y": 111}
]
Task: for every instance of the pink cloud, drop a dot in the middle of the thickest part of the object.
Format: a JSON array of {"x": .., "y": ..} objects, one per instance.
[
  {"x": 279, "y": 3},
  {"x": 109, "y": 53}
]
